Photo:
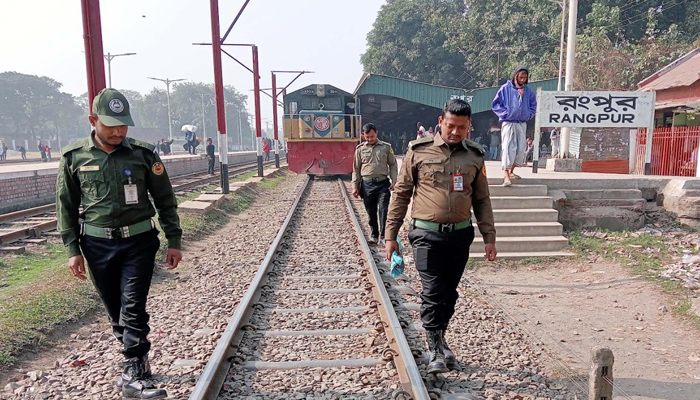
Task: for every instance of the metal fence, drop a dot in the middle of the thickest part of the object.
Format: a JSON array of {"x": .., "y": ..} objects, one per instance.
[{"x": 674, "y": 151}]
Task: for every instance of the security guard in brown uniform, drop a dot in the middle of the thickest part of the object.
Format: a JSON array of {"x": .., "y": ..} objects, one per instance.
[
  {"x": 111, "y": 176},
  {"x": 446, "y": 177},
  {"x": 374, "y": 165}
]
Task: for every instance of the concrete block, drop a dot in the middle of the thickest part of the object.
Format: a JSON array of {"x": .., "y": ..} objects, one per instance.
[
  {"x": 211, "y": 198},
  {"x": 564, "y": 164},
  {"x": 525, "y": 215},
  {"x": 515, "y": 202},
  {"x": 269, "y": 172},
  {"x": 195, "y": 206},
  {"x": 597, "y": 194},
  {"x": 254, "y": 179},
  {"x": 518, "y": 190},
  {"x": 524, "y": 244},
  {"x": 525, "y": 229}
]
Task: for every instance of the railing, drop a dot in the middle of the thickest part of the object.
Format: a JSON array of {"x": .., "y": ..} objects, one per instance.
[{"x": 674, "y": 151}]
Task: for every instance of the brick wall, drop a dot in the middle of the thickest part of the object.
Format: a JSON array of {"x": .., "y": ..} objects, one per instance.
[
  {"x": 25, "y": 189},
  {"x": 605, "y": 150}
]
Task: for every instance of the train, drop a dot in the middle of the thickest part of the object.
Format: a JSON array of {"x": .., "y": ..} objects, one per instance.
[{"x": 321, "y": 129}]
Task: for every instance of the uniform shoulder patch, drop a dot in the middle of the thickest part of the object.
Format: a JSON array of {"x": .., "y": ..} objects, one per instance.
[
  {"x": 158, "y": 168},
  {"x": 419, "y": 142},
  {"x": 141, "y": 143},
  {"x": 73, "y": 146},
  {"x": 474, "y": 145}
]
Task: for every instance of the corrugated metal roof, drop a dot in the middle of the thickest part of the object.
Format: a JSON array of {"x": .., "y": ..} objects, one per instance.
[
  {"x": 682, "y": 72},
  {"x": 434, "y": 95}
]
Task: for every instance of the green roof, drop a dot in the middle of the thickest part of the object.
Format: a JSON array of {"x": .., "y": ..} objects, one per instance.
[{"x": 434, "y": 95}]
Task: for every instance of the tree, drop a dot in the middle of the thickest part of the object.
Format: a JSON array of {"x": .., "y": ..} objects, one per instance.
[
  {"x": 34, "y": 108},
  {"x": 477, "y": 43},
  {"x": 406, "y": 44}
]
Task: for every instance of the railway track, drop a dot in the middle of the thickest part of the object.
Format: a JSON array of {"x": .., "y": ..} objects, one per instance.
[
  {"x": 316, "y": 320},
  {"x": 31, "y": 223}
]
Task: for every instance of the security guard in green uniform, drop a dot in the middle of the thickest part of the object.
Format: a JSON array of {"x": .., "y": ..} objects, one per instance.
[
  {"x": 374, "y": 165},
  {"x": 111, "y": 176}
]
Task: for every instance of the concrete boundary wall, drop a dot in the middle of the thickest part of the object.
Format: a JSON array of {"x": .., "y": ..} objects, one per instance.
[{"x": 33, "y": 185}]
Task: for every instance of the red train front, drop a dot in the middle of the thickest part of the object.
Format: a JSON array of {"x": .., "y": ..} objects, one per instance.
[{"x": 321, "y": 130}]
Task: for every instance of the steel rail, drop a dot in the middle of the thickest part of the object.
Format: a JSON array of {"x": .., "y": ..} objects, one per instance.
[
  {"x": 29, "y": 212},
  {"x": 411, "y": 378},
  {"x": 212, "y": 378}
]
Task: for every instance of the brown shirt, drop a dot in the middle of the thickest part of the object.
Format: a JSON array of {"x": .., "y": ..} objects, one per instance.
[
  {"x": 427, "y": 176},
  {"x": 373, "y": 161}
]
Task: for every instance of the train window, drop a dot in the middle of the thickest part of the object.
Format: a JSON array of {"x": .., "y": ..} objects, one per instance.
[{"x": 293, "y": 107}]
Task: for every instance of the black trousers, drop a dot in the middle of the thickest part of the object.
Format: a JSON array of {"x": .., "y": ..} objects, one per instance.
[
  {"x": 376, "y": 196},
  {"x": 121, "y": 270},
  {"x": 440, "y": 260},
  {"x": 211, "y": 166}
]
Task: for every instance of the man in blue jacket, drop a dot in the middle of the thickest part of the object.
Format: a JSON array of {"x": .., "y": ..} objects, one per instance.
[{"x": 514, "y": 105}]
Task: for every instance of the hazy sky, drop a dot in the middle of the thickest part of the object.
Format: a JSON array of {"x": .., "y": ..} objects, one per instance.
[{"x": 44, "y": 37}]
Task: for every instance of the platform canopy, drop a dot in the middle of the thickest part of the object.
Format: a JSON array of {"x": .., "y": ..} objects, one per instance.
[{"x": 395, "y": 105}]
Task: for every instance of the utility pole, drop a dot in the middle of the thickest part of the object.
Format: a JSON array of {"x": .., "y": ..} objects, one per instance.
[
  {"x": 561, "y": 43},
  {"x": 109, "y": 57},
  {"x": 204, "y": 124},
  {"x": 498, "y": 67},
  {"x": 170, "y": 117},
  {"x": 570, "y": 69}
]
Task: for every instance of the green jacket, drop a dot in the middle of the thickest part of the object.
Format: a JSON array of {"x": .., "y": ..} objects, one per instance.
[{"x": 90, "y": 177}]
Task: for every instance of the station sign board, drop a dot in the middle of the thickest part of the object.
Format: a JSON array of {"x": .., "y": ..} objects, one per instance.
[{"x": 585, "y": 109}]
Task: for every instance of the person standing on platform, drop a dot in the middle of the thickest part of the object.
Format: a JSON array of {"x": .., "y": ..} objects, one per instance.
[
  {"x": 42, "y": 151},
  {"x": 494, "y": 142},
  {"x": 266, "y": 148},
  {"x": 23, "y": 152},
  {"x": 554, "y": 138},
  {"x": 514, "y": 104},
  {"x": 3, "y": 152},
  {"x": 445, "y": 177},
  {"x": 373, "y": 178},
  {"x": 111, "y": 176},
  {"x": 211, "y": 156}
]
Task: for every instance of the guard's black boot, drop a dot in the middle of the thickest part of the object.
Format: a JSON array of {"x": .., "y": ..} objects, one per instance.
[
  {"x": 145, "y": 367},
  {"x": 373, "y": 239},
  {"x": 437, "y": 356},
  {"x": 133, "y": 384},
  {"x": 450, "y": 359}
]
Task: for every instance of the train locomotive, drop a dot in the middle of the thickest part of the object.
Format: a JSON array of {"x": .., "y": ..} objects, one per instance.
[{"x": 321, "y": 129}]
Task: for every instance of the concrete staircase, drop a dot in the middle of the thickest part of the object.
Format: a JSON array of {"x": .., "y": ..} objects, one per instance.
[{"x": 526, "y": 224}]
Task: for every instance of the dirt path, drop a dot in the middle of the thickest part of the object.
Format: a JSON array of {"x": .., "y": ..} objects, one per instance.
[{"x": 572, "y": 306}]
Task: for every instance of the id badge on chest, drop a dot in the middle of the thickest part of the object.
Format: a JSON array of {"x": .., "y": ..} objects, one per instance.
[
  {"x": 131, "y": 194},
  {"x": 457, "y": 182}
]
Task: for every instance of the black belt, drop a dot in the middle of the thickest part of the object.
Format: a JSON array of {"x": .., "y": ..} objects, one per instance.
[{"x": 377, "y": 179}]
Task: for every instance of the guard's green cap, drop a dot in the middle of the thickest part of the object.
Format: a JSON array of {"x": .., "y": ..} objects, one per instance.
[{"x": 112, "y": 108}]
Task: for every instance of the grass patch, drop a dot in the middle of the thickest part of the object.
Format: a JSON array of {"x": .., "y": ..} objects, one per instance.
[
  {"x": 41, "y": 295},
  {"x": 644, "y": 255},
  {"x": 271, "y": 183}
]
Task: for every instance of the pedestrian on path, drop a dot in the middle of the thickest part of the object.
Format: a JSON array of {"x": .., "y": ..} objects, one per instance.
[
  {"x": 211, "y": 156},
  {"x": 514, "y": 104},
  {"x": 3, "y": 152},
  {"x": 554, "y": 137},
  {"x": 373, "y": 169},
  {"x": 444, "y": 177},
  {"x": 495, "y": 142},
  {"x": 23, "y": 152},
  {"x": 111, "y": 176}
]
